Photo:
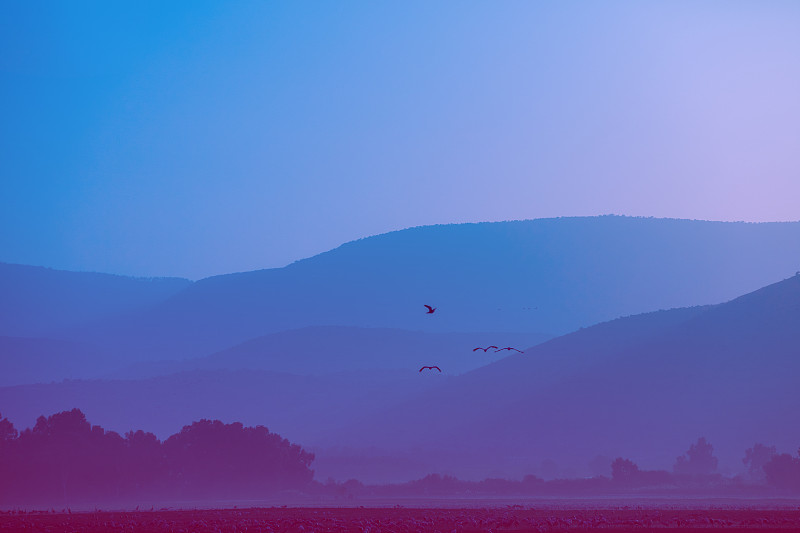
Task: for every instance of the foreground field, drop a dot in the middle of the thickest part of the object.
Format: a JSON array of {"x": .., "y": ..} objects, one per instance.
[{"x": 400, "y": 519}]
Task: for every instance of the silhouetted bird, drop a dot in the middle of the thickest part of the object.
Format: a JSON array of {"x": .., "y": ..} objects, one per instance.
[
  {"x": 508, "y": 348},
  {"x": 484, "y": 349},
  {"x": 431, "y": 367},
  {"x": 430, "y": 309}
]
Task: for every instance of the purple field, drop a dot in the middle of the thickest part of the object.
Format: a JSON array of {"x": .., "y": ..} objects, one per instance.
[{"x": 399, "y": 518}]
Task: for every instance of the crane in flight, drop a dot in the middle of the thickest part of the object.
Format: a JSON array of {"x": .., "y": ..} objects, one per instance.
[
  {"x": 484, "y": 349},
  {"x": 430, "y": 367},
  {"x": 509, "y": 348},
  {"x": 430, "y": 309}
]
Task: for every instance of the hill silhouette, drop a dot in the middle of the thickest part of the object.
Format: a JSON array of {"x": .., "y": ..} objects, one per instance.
[
  {"x": 640, "y": 387},
  {"x": 43, "y": 302},
  {"x": 298, "y": 407},
  {"x": 540, "y": 276},
  {"x": 318, "y": 350},
  {"x": 27, "y": 360}
]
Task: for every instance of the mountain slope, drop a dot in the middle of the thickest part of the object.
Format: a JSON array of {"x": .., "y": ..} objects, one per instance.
[
  {"x": 43, "y": 302},
  {"x": 317, "y": 350},
  {"x": 548, "y": 275},
  {"x": 299, "y": 407},
  {"x": 727, "y": 372},
  {"x": 24, "y": 360}
]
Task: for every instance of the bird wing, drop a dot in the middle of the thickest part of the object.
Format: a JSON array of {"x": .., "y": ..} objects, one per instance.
[
  {"x": 429, "y": 307},
  {"x": 476, "y": 349},
  {"x": 491, "y": 347},
  {"x": 436, "y": 367}
]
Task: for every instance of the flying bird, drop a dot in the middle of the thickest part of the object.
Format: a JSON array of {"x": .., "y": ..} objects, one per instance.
[
  {"x": 430, "y": 309},
  {"x": 484, "y": 349},
  {"x": 508, "y": 348},
  {"x": 431, "y": 367}
]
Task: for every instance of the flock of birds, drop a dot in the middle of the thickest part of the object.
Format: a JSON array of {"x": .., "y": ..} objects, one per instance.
[{"x": 496, "y": 349}]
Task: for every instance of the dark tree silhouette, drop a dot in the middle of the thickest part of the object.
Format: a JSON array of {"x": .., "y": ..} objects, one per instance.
[
  {"x": 7, "y": 431},
  {"x": 624, "y": 471},
  {"x": 8, "y": 434},
  {"x": 212, "y": 457},
  {"x": 697, "y": 461},
  {"x": 756, "y": 457},
  {"x": 145, "y": 464},
  {"x": 783, "y": 471},
  {"x": 64, "y": 460},
  {"x": 435, "y": 484}
]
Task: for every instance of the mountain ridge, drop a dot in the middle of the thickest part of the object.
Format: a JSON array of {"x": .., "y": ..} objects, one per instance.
[
  {"x": 553, "y": 275},
  {"x": 702, "y": 372},
  {"x": 46, "y": 302}
]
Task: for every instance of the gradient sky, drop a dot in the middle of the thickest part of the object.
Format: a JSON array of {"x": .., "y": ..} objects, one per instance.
[{"x": 198, "y": 138}]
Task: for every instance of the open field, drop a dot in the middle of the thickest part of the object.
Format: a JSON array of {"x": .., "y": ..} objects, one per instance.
[{"x": 402, "y": 519}]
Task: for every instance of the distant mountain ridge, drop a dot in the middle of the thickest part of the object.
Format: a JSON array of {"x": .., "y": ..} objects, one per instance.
[
  {"x": 318, "y": 350},
  {"x": 25, "y": 360},
  {"x": 44, "y": 302},
  {"x": 641, "y": 386},
  {"x": 545, "y": 275}
]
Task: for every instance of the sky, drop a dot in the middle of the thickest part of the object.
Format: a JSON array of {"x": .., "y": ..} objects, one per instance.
[{"x": 199, "y": 138}]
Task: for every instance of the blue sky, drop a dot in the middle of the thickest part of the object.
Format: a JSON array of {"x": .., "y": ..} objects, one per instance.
[{"x": 197, "y": 138}]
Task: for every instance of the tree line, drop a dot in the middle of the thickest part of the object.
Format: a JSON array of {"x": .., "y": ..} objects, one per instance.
[
  {"x": 64, "y": 459},
  {"x": 698, "y": 466}
]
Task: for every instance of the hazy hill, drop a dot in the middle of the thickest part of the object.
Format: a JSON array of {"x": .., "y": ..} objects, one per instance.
[
  {"x": 314, "y": 350},
  {"x": 42, "y": 302},
  {"x": 643, "y": 387},
  {"x": 298, "y": 407},
  {"x": 24, "y": 360},
  {"x": 541, "y": 276},
  {"x": 317, "y": 350}
]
